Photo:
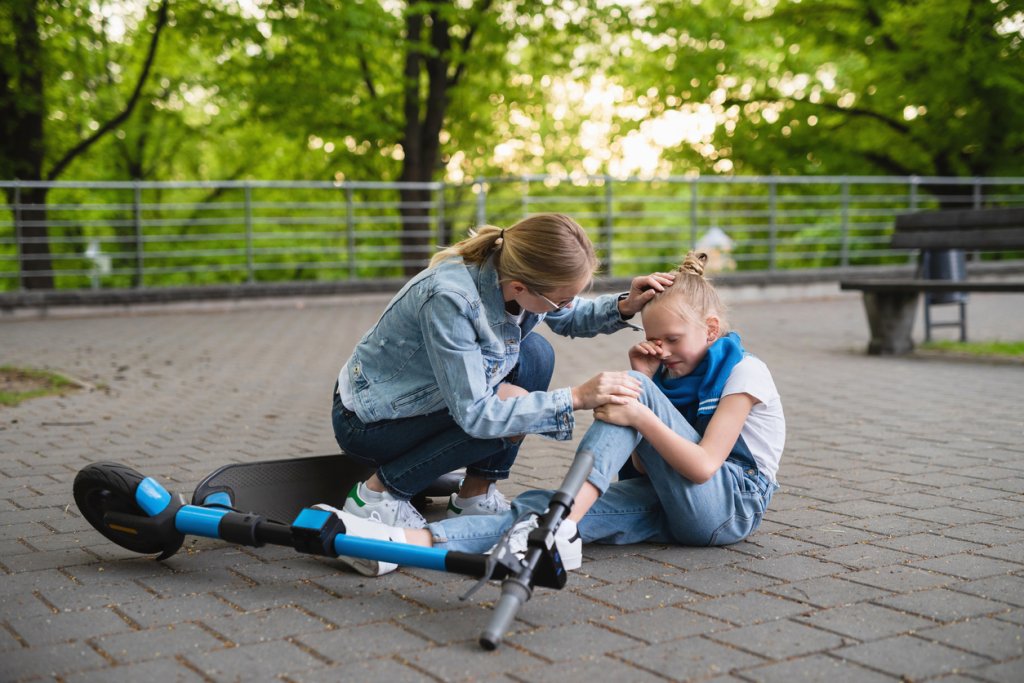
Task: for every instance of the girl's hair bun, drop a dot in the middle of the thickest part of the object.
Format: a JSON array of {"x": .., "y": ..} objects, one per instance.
[{"x": 694, "y": 263}]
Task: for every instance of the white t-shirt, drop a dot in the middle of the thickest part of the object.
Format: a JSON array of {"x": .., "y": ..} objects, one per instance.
[{"x": 764, "y": 432}]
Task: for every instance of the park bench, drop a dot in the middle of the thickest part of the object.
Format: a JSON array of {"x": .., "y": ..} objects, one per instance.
[{"x": 891, "y": 303}]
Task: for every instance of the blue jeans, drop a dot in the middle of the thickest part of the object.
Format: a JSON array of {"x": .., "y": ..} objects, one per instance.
[
  {"x": 662, "y": 506},
  {"x": 411, "y": 453}
]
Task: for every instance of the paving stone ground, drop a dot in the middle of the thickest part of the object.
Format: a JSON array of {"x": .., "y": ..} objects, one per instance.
[{"x": 893, "y": 551}]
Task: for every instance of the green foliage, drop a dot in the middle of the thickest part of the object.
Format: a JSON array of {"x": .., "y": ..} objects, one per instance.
[
  {"x": 1005, "y": 350},
  {"x": 22, "y": 384},
  {"x": 925, "y": 87},
  {"x": 431, "y": 89},
  {"x": 315, "y": 88}
]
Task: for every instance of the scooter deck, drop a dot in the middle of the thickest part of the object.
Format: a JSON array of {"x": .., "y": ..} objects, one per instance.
[{"x": 280, "y": 489}]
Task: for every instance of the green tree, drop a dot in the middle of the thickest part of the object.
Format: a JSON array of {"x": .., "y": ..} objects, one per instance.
[
  {"x": 907, "y": 87},
  {"x": 403, "y": 86},
  {"x": 30, "y": 66}
]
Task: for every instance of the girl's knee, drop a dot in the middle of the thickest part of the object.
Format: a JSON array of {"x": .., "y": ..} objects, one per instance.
[
  {"x": 647, "y": 384},
  {"x": 644, "y": 379}
]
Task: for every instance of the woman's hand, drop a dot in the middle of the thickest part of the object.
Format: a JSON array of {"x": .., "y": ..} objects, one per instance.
[
  {"x": 605, "y": 387},
  {"x": 642, "y": 289},
  {"x": 626, "y": 414},
  {"x": 646, "y": 357}
]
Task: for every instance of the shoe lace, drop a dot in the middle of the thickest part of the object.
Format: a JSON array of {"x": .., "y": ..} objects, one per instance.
[
  {"x": 408, "y": 516},
  {"x": 520, "y": 533},
  {"x": 497, "y": 501}
]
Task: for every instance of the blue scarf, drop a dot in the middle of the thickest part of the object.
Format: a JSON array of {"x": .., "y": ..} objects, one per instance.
[{"x": 696, "y": 395}]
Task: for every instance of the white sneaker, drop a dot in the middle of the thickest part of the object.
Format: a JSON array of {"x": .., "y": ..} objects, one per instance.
[
  {"x": 567, "y": 541},
  {"x": 490, "y": 503},
  {"x": 364, "y": 528},
  {"x": 383, "y": 508}
]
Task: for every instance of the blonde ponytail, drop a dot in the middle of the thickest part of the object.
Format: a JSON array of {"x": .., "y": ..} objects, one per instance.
[{"x": 545, "y": 251}]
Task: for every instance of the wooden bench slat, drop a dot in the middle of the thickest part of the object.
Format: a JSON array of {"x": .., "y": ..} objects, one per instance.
[
  {"x": 961, "y": 219},
  {"x": 980, "y": 238}
]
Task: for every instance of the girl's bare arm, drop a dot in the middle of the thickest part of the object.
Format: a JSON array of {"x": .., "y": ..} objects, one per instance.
[{"x": 698, "y": 462}]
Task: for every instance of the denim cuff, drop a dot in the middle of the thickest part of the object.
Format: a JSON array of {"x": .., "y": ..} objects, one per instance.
[
  {"x": 487, "y": 473},
  {"x": 565, "y": 420},
  {"x": 623, "y": 320}
]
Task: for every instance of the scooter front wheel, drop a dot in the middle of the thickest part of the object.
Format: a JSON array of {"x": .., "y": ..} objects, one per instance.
[{"x": 110, "y": 487}]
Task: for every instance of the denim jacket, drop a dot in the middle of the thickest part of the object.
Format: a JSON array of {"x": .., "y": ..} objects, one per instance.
[{"x": 445, "y": 342}]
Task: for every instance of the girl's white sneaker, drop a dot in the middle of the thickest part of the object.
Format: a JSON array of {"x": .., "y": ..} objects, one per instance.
[
  {"x": 567, "y": 541},
  {"x": 366, "y": 528}
]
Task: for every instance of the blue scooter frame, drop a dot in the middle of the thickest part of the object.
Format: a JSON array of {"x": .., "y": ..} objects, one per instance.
[{"x": 139, "y": 514}]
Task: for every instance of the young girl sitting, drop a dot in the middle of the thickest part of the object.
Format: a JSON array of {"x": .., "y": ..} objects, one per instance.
[{"x": 699, "y": 449}]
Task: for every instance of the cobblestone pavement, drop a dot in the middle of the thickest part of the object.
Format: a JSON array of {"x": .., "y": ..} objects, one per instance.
[{"x": 893, "y": 551}]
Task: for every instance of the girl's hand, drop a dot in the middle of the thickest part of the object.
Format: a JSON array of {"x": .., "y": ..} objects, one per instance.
[
  {"x": 605, "y": 387},
  {"x": 626, "y": 414},
  {"x": 646, "y": 357},
  {"x": 642, "y": 289}
]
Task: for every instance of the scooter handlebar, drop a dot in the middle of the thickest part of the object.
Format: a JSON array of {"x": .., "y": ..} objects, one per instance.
[
  {"x": 513, "y": 595},
  {"x": 516, "y": 590},
  {"x": 578, "y": 472}
]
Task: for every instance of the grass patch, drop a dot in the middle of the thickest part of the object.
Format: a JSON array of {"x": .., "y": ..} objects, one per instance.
[
  {"x": 1008, "y": 350},
  {"x": 21, "y": 384}
]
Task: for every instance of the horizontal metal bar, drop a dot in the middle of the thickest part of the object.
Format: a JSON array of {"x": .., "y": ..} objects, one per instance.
[
  {"x": 211, "y": 184},
  {"x": 343, "y": 229}
]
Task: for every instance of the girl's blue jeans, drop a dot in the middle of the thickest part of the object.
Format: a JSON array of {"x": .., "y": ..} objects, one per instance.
[
  {"x": 662, "y": 506},
  {"x": 411, "y": 453}
]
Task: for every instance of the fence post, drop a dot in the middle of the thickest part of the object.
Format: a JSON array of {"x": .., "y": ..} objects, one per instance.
[
  {"x": 844, "y": 226},
  {"x": 140, "y": 277},
  {"x": 977, "y": 193},
  {"x": 17, "y": 234},
  {"x": 440, "y": 239},
  {"x": 609, "y": 223},
  {"x": 914, "y": 180},
  {"x": 249, "y": 257},
  {"x": 772, "y": 226},
  {"x": 350, "y": 233},
  {"x": 481, "y": 204}
]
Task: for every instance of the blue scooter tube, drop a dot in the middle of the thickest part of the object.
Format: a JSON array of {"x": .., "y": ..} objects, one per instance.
[
  {"x": 390, "y": 551},
  {"x": 193, "y": 520}
]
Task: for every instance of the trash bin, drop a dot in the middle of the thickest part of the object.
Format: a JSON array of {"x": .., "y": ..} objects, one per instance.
[{"x": 944, "y": 264}]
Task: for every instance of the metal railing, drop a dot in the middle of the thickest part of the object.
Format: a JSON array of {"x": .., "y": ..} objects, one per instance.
[{"x": 155, "y": 234}]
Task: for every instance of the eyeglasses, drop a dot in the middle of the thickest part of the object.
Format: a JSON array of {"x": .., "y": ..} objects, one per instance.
[{"x": 552, "y": 304}]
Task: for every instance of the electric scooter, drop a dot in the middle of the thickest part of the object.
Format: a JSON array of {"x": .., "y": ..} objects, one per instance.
[{"x": 248, "y": 504}]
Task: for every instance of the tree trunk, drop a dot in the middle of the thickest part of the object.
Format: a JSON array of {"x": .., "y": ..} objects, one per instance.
[
  {"x": 424, "y": 118},
  {"x": 21, "y": 146},
  {"x": 30, "y": 221},
  {"x": 952, "y": 197},
  {"x": 416, "y": 219},
  {"x": 23, "y": 141}
]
